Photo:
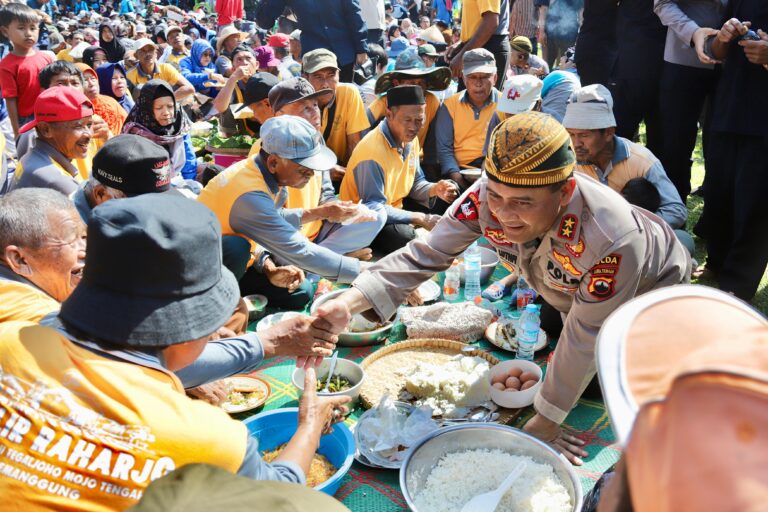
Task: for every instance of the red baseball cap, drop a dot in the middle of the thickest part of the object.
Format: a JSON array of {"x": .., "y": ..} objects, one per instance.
[
  {"x": 279, "y": 40},
  {"x": 59, "y": 104}
]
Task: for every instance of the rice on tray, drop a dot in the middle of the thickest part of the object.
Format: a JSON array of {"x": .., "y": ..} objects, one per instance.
[{"x": 461, "y": 476}]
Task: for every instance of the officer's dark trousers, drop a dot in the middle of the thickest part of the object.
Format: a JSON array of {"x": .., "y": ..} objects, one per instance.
[
  {"x": 684, "y": 91},
  {"x": 734, "y": 204},
  {"x": 392, "y": 237},
  {"x": 636, "y": 91}
]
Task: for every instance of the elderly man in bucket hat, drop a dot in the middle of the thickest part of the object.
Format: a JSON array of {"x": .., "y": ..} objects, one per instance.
[
  {"x": 410, "y": 70},
  {"x": 614, "y": 160},
  {"x": 97, "y": 388},
  {"x": 579, "y": 244}
]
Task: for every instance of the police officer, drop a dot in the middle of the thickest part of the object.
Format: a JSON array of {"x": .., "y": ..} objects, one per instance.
[{"x": 577, "y": 242}]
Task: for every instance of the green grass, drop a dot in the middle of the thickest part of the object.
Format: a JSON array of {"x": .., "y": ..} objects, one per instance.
[{"x": 695, "y": 207}]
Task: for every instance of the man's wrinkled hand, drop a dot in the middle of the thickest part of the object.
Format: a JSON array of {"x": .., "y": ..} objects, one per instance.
[
  {"x": 339, "y": 211},
  {"x": 288, "y": 276},
  {"x": 731, "y": 30},
  {"x": 566, "y": 443},
  {"x": 302, "y": 336},
  {"x": 699, "y": 38},
  {"x": 320, "y": 413},
  {"x": 446, "y": 190},
  {"x": 214, "y": 392},
  {"x": 756, "y": 51}
]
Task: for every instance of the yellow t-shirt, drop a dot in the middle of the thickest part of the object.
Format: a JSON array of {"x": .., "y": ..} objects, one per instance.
[
  {"x": 88, "y": 433},
  {"x": 162, "y": 72},
  {"x": 64, "y": 55},
  {"x": 174, "y": 60},
  {"x": 22, "y": 302},
  {"x": 468, "y": 132},
  {"x": 471, "y": 13},
  {"x": 349, "y": 119}
]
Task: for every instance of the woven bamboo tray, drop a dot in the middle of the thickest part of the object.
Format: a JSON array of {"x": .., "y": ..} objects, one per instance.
[{"x": 380, "y": 367}]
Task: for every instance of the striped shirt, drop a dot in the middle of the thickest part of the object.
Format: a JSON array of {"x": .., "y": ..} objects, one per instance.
[{"x": 522, "y": 17}]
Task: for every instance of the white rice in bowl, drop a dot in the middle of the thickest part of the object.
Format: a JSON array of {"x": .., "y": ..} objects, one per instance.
[{"x": 461, "y": 476}]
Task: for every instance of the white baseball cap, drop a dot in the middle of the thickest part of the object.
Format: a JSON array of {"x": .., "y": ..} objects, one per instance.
[{"x": 520, "y": 94}]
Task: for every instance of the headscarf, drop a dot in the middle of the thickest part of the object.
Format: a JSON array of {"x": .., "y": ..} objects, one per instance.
[
  {"x": 90, "y": 53},
  {"x": 115, "y": 50},
  {"x": 200, "y": 46},
  {"x": 105, "y": 73},
  {"x": 141, "y": 120},
  {"x": 104, "y": 106}
]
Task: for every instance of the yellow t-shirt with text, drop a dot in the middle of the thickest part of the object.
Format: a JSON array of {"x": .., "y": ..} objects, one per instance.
[{"x": 84, "y": 432}]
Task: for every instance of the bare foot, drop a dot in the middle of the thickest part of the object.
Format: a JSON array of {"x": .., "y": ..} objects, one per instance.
[{"x": 362, "y": 254}]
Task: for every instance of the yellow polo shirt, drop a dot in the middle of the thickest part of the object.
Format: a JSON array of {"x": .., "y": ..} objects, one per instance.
[
  {"x": 162, "y": 72},
  {"x": 349, "y": 119},
  {"x": 471, "y": 13},
  {"x": 469, "y": 132},
  {"x": 90, "y": 433}
]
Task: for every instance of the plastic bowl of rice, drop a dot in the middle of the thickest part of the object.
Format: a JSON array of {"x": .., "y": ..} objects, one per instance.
[
  {"x": 275, "y": 428},
  {"x": 449, "y": 467}
]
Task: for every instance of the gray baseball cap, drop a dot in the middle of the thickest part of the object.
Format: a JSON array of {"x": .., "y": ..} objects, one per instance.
[
  {"x": 294, "y": 138},
  {"x": 479, "y": 60},
  {"x": 319, "y": 59},
  {"x": 293, "y": 90}
]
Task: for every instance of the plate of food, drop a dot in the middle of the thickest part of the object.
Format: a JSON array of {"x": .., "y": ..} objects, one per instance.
[
  {"x": 448, "y": 376},
  {"x": 245, "y": 393},
  {"x": 429, "y": 291},
  {"x": 360, "y": 331},
  {"x": 471, "y": 174},
  {"x": 505, "y": 337},
  {"x": 270, "y": 320}
]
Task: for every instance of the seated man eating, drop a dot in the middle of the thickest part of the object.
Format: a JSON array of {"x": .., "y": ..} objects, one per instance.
[
  {"x": 384, "y": 170},
  {"x": 117, "y": 341},
  {"x": 248, "y": 199}
]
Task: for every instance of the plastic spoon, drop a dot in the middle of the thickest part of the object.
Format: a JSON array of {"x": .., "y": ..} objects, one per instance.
[
  {"x": 488, "y": 501},
  {"x": 331, "y": 367}
]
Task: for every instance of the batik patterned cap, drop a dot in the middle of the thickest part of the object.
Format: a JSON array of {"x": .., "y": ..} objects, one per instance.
[{"x": 530, "y": 150}]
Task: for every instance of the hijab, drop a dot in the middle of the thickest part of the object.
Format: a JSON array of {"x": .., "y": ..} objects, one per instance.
[
  {"x": 199, "y": 47},
  {"x": 90, "y": 53},
  {"x": 105, "y": 73},
  {"x": 141, "y": 119},
  {"x": 115, "y": 50}
]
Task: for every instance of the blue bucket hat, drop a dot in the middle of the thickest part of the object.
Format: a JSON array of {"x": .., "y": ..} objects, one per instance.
[{"x": 398, "y": 46}]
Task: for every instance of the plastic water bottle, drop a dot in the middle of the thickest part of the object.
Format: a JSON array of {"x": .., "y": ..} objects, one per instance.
[
  {"x": 528, "y": 334},
  {"x": 472, "y": 272},
  {"x": 524, "y": 295},
  {"x": 452, "y": 282},
  {"x": 488, "y": 305}
]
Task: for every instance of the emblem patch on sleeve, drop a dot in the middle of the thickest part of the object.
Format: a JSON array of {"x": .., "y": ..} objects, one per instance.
[
  {"x": 497, "y": 237},
  {"x": 602, "y": 283},
  {"x": 568, "y": 226},
  {"x": 469, "y": 209}
]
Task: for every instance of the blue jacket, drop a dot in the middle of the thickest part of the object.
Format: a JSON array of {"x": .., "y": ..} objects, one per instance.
[
  {"x": 82, "y": 5},
  {"x": 336, "y": 25},
  {"x": 126, "y": 6},
  {"x": 194, "y": 71}
]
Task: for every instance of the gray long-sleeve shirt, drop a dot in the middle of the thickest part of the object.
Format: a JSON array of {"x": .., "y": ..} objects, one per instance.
[
  {"x": 275, "y": 228},
  {"x": 682, "y": 18},
  {"x": 44, "y": 167}
]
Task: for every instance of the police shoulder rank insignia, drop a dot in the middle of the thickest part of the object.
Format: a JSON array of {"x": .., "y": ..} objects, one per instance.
[
  {"x": 568, "y": 226},
  {"x": 469, "y": 209},
  {"x": 565, "y": 262},
  {"x": 602, "y": 283},
  {"x": 497, "y": 236},
  {"x": 577, "y": 249}
]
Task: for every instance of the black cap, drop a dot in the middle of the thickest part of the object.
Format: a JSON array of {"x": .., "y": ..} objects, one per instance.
[
  {"x": 405, "y": 95},
  {"x": 132, "y": 164},
  {"x": 293, "y": 90},
  {"x": 257, "y": 88},
  {"x": 154, "y": 275}
]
